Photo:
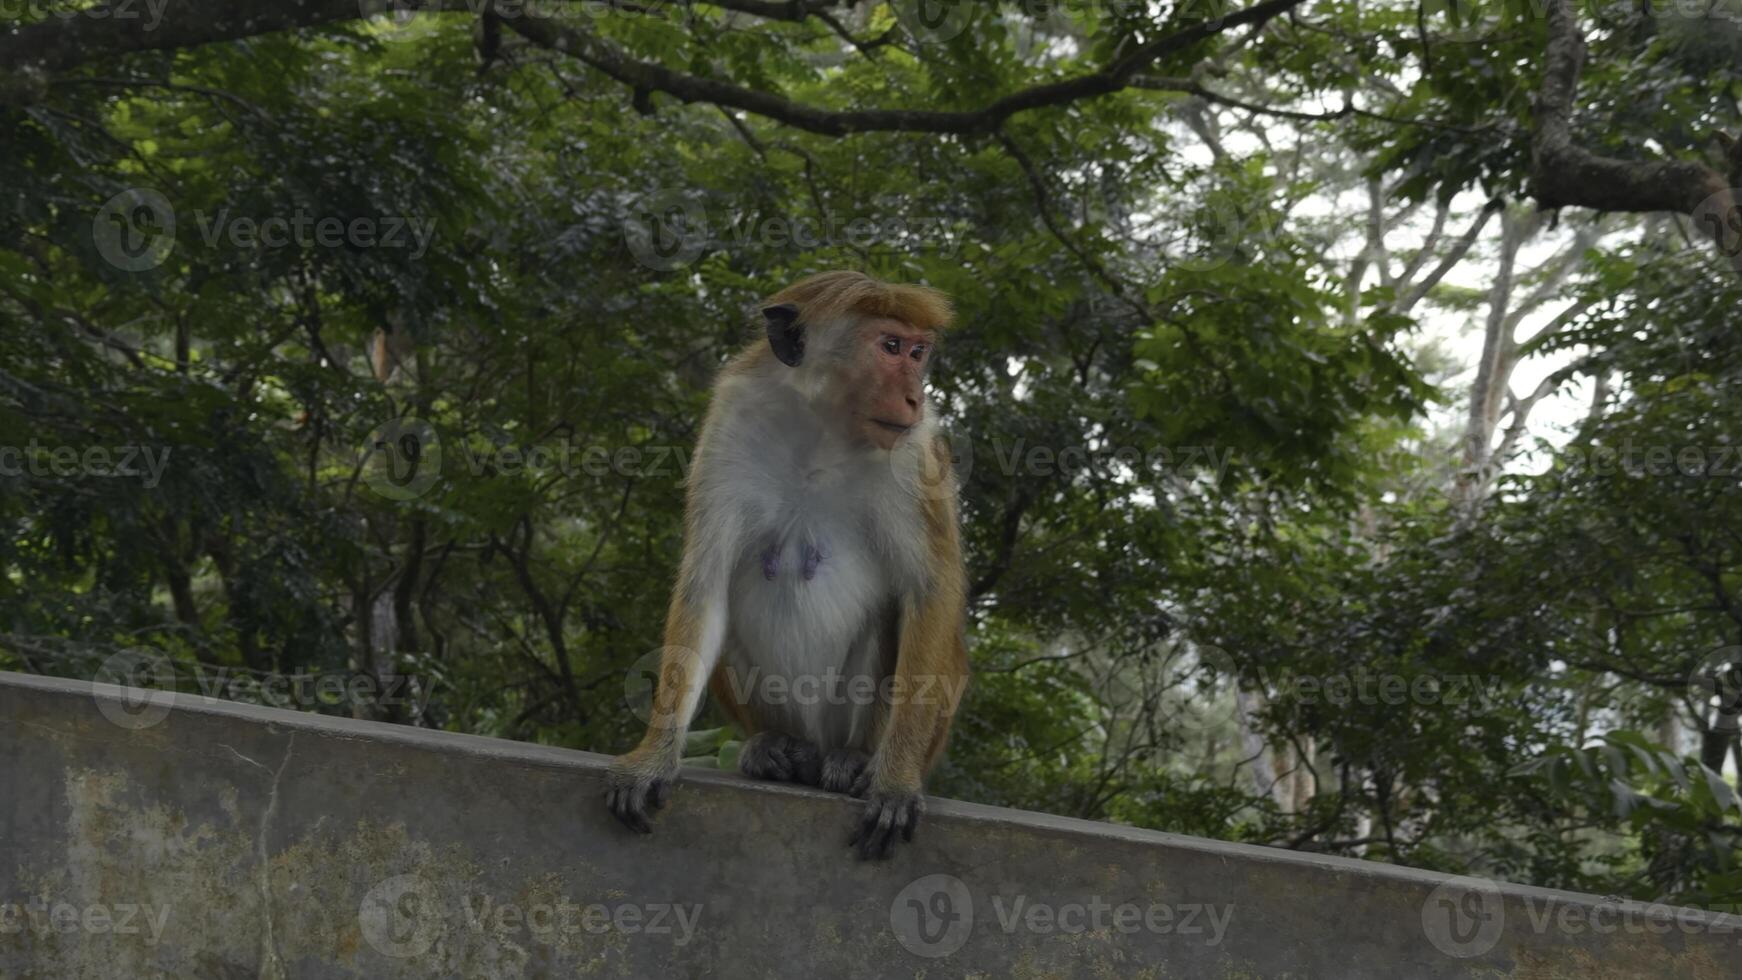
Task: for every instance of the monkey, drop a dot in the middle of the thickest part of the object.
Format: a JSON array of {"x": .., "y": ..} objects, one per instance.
[{"x": 821, "y": 594}]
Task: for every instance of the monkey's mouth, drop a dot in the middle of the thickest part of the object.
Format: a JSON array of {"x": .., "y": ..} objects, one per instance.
[{"x": 892, "y": 427}]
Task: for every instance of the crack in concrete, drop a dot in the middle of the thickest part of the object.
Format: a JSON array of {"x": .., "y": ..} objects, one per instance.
[{"x": 271, "y": 965}]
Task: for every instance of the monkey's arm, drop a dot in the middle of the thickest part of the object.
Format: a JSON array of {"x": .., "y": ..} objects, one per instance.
[
  {"x": 695, "y": 628},
  {"x": 695, "y": 633},
  {"x": 931, "y": 675}
]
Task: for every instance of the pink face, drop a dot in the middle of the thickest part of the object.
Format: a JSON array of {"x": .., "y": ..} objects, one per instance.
[{"x": 892, "y": 399}]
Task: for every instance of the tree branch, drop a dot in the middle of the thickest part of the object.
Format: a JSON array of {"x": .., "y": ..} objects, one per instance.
[
  {"x": 1462, "y": 245},
  {"x": 1042, "y": 204},
  {"x": 1442, "y": 211},
  {"x": 1116, "y": 76},
  {"x": 1564, "y": 174},
  {"x": 61, "y": 43},
  {"x": 1550, "y": 276}
]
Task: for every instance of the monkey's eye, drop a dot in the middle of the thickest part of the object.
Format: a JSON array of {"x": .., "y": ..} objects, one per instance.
[
  {"x": 892, "y": 345},
  {"x": 919, "y": 352}
]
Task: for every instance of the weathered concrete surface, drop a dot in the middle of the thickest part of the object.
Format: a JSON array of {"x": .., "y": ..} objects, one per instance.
[{"x": 227, "y": 841}]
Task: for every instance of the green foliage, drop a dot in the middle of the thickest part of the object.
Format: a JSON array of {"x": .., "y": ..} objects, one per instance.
[
  {"x": 1206, "y": 512},
  {"x": 1685, "y": 814}
]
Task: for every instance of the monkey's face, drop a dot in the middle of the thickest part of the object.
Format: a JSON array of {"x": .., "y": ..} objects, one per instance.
[
  {"x": 888, "y": 382},
  {"x": 865, "y": 374}
]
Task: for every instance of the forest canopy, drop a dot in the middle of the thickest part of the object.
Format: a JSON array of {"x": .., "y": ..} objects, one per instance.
[{"x": 1345, "y": 396}]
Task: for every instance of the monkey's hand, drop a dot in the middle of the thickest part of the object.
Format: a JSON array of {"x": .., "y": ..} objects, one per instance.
[
  {"x": 888, "y": 812},
  {"x": 637, "y": 784}
]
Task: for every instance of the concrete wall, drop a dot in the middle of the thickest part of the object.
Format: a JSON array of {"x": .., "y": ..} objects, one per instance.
[{"x": 207, "y": 839}]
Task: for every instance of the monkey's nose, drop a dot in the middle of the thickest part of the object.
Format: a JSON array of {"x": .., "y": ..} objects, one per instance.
[{"x": 913, "y": 402}]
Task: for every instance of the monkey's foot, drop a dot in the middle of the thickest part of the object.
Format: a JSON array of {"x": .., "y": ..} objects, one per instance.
[
  {"x": 780, "y": 757},
  {"x": 846, "y": 771},
  {"x": 886, "y": 815},
  {"x": 633, "y": 790}
]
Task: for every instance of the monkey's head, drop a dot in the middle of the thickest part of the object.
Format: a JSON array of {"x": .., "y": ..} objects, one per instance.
[{"x": 860, "y": 348}]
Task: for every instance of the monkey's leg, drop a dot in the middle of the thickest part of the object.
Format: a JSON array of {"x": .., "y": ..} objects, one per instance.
[
  {"x": 766, "y": 753},
  {"x": 931, "y": 671},
  {"x": 846, "y": 771},
  {"x": 731, "y": 700},
  {"x": 639, "y": 780},
  {"x": 781, "y": 757}
]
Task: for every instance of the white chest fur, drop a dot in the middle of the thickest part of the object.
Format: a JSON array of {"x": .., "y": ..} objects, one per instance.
[
  {"x": 814, "y": 540},
  {"x": 808, "y": 578}
]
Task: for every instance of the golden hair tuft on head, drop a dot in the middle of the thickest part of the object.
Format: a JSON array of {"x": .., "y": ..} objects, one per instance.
[{"x": 829, "y": 296}]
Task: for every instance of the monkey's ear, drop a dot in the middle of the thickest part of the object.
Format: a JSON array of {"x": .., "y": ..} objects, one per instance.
[{"x": 785, "y": 333}]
